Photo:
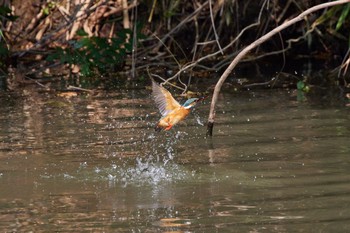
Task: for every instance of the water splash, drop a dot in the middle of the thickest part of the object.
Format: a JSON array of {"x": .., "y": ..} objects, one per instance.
[
  {"x": 145, "y": 159},
  {"x": 153, "y": 173},
  {"x": 199, "y": 121},
  {"x": 144, "y": 172}
]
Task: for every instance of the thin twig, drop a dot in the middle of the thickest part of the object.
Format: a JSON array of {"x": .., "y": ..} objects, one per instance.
[
  {"x": 212, "y": 54},
  {"x": 345, "y": 63},
  {"x": 164, "y": 80},
  {"x": 193, "y": 64},
  {"x": 37, "y": 82},
  {"x": 253, "y": 45},
  {"x": 134, "y": 43},
  {"x": 78, "y": 89},
  {"x": 184, "y": 21},
  {"x": 214, "y": 28}
]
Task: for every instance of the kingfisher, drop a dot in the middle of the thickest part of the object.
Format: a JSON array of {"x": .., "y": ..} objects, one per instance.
[{"x": 172, "y": 112}]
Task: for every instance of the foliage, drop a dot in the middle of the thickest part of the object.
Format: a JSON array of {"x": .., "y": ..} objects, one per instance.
[
  {"x": 6, "y": 15},
  {"x": 343, "y": 15},
  {"x": 302, "y": 86},
  {"x": 202, "y": 35},
  {"x": 95, "y": 54},
  {"x": 3, "y": 46},
  {"x": 335, "y": 17},
  {"x": 336, "y": 21}
]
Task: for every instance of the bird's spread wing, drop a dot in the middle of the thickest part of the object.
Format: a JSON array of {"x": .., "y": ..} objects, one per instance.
[{"x": 163, "y": 99}]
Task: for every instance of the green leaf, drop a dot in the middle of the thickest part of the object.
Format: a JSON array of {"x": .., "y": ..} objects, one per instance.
[
  {"x": 6, "y": 13},
  {"x": 101, "y": 42},
  {"x": 300, "y": 85},
  {"x": 128, "y": 46},
  {"x": 46, "y": 11},
  {"x": 4, "y": 10},
  {"x": 343, "y": 16},
  {"x": 306, "y": 89},
  {"x": 85, "y": 69},
  {"x": 81, "y": 32},
  {"x": 1, "y": 34},
  {"x": 324, "y": 17},
  {"x": 83, "y": 42},
  {"x": 3, "y": 50}
]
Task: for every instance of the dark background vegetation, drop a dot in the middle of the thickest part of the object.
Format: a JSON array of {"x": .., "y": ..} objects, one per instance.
[{"x": 86, "y": 43}]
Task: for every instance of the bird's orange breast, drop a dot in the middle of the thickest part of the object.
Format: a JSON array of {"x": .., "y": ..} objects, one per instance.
[{"x": 174, "y": 117}]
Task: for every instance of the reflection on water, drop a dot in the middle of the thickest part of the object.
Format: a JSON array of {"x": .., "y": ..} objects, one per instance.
[{"x": 94, "y": 163}]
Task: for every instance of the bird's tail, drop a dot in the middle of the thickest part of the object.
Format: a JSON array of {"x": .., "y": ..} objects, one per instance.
[{"x": 157, "y": 128}]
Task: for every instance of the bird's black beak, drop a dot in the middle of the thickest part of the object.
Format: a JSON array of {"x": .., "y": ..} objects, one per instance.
[{"x": 201, "y": 98}]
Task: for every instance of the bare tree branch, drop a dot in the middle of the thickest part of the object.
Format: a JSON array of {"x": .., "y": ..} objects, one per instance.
[
  {"x": 214, "y": 28},
  {"x": 195, "y": 63},
  {"x": 253, "y": 45}
]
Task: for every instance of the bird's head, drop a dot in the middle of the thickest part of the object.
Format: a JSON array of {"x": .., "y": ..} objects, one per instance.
[{"x": 190, "y": 103}]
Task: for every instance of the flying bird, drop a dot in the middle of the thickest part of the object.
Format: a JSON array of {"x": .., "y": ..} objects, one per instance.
[{"x": 172, "y": 112}]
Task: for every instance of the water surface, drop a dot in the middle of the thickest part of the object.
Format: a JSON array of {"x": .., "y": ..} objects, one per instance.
[{"x": 93, "y": 163}]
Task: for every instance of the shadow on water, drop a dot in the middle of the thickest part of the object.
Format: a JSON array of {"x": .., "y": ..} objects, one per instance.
[{"x": 94, "y": 163}]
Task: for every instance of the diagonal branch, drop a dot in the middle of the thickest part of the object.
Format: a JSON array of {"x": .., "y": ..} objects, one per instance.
[{"x": 253, "y": 45}]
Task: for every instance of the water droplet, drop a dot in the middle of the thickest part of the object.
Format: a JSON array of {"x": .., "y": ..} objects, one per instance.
[
  {"x": 97, "y": 170},
  {"x": 67, "y": 176}
]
